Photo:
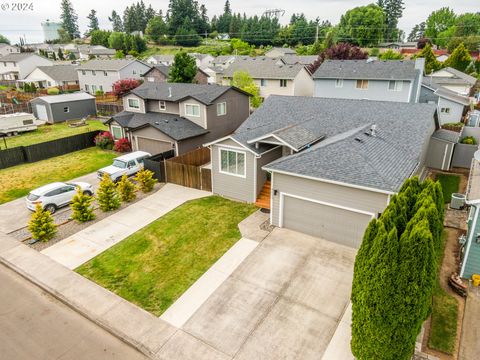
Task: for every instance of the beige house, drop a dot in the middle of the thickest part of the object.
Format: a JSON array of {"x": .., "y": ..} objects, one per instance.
[{"x": 272, "y": 76}]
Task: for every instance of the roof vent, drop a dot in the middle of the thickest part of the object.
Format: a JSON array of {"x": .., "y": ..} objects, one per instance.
[
  {"x": 359, "y": 140},
  {"x": 157, "y": 123},
  {"x": 169, "y": 92},
  {"x": 373, "y": 130},
  {"x": 370, "y": 60},
  {"x": 166, "y": 120}
]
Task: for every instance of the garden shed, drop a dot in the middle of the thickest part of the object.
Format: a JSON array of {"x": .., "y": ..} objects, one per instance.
[{"x": 58, "y": 108}]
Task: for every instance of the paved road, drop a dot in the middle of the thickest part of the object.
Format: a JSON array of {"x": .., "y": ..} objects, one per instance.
[
  {"x": 14, "y": 215},
  {"x": 34, "y": 325}
]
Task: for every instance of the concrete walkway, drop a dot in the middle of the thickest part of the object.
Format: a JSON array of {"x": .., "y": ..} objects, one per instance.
[
  {"x": 88, "y": 243},
  {"x": 339, "y": 346},
  {"x": 470, "y": 340}
]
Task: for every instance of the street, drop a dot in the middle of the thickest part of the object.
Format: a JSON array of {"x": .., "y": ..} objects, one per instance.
[{"x": 34, "y": 325}]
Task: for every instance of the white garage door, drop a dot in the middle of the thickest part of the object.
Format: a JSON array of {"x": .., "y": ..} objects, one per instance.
[
  {"x": 41, "y": 112},
  {"x": 153, "y": 146},
  {"x": 328, "y": 222}
]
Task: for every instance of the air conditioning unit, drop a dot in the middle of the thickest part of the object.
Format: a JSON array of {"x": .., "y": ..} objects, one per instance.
[{"x": 458, "y": 201}]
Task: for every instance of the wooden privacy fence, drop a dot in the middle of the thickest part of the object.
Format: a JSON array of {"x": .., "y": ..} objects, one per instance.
[
  {"x": 188, "y": 170},
  {"x": 45, "y": 150},
  {"x": 156, "y": 163},
  {"x": 109, "y": 109}
]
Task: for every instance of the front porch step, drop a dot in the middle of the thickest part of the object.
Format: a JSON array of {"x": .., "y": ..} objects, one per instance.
[{"x": 263, "y": 200}]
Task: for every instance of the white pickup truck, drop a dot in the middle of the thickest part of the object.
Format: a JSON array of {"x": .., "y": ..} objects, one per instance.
[
  {"x": 128, "y": 164},
  {"x": 13, "y": 124}
]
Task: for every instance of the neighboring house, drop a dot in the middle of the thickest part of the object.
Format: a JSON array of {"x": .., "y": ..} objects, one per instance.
[
  {"x": 278, "y": 52},
  {"x": 454, "y": 80},
  {"x": 409, "y": 45},
  {"x": 96, "y": 52},
  {"x": 272, "y": 77},
  {"x": 160, "y": 73},
  {"x": 394, "y": 80},
  {"x": 452, "y": 107},
  {"x": 224, "y": 61},
  {"x": 18, "y": 66},
  {"x": 161, "y": 60},
  {"x": 202, "y": 60},
  {"x": 59, "y": 108},
  {"x": 102, "y": 74},
  {"x": 299, "y": 59},
  {"x": 163, "y": 116},
  {"x": 61, "y": 76},
  {"x": 332, "y": 164},
  {"x": 6, "y": 49},
  {"x": 470, "y": 260}
]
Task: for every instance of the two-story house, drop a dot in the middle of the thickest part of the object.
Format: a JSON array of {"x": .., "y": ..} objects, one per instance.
[
  {"x": 96, "y": 52},
  {"x": 19, "y": 65},
  {"x": 272, "y": 76},
  {"x": 202, "y": 60},
  {"x": 6, "y": 49},
  {"x": 394, "y": 80},
  {"x": 160, "y": 73},
  {"x": 166, "y": 60},
  {"x": 163, "y": 116},
  {"x": 102, "y": 74}
]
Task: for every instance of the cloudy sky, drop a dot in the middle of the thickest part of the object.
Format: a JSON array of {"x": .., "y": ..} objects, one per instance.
[{"x": 14, "y": 24}]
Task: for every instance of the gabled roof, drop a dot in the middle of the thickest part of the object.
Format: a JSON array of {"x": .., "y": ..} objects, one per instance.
[
  {"x": 111, "y": 64},
  {"x": 165, "y": 70},
  {"x": 446, "y": 135},
  {"x": 299, "y": 59},
  {"x": 383, "y": 161},
  {"x": 453, "y": 96},
  {"x": 175, "y": 126},
  {"x": 60, "y": 72},
  {"x": 366, "y": 69},
  {"x": 161, "y": 58},
  {"x": 263, "y": 67},
  {"x": 460, "y": 75},
  {"x": 282, "y": 50},
  {"x": 175, "y": 92},
  {"x": 53, "y": 99},
  {"x": 16, "y": 57},
  {"x": 94, "y": 51}
]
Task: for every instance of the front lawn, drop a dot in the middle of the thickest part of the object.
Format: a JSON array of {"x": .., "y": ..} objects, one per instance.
[
  {"x": 450, "y": 184},
  {"x": 155, "y": 266},
  {"x": 50, "y": 132},
  {"x": 18, "y": 181}
]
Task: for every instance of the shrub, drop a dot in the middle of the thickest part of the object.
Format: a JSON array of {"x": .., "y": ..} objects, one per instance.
[
  {"x": 458, "y": 126},
  {"x": 470, "y": 140},
  {"x": 124, "y": 86},
  {"x": 107, "y": 195},
  {"x": 82, "y": 207},
  {"x": 99, "y": 92},
  {"x": 122, "y": 145},
  {"x": 41, "y": 224},
  {"x": 53, "y": 91},
  {"x": 126, "y": 189},
  {"x": 104, "y": 140},
  {"x": 145, "y": 180}
]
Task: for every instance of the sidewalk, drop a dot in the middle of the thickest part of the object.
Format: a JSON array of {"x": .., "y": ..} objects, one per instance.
[{"x": 86, "y": 244}]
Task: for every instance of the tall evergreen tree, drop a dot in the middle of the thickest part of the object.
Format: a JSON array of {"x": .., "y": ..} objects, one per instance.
[
  {"x": 116, "y": 21},
  {"x": 93, "y": 22},
  {"x": 183, "y": 70},
  {"x": 417, "y": 32},
  {"x": 393, "y": 10},
  {"x": 69, "y": 19},
  {"x": 459, "y": 59},
  {"x": 431, "y": 62}
]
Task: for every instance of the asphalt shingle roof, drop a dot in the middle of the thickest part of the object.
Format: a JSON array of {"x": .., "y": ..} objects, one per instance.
[
  {"x": 175, "y": 126},
  {"x": 15, "y": 57},
  {"x": 206, "y": 94},
  {"x": 263, "y": 68},
  {"x": 111, "y": 64},
  {"x": 381, "y": 162},
  {"x": 366, "y": 69},
  {"x": 446, "y": 135},
  {"x": 52, "y": 99},
  {"x": 297, "y": 136},
  {"x": 461, "y": 75},
  {"x": 161, "y": 58},
  {"x": 290, "y": 59},
  {"x": 60, "y": 72}
]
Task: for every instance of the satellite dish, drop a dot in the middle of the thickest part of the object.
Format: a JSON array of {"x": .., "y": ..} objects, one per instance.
[{"x": 476, "y": 156}]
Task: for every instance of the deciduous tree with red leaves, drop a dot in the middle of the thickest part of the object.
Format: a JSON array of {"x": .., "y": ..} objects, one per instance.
[
  {"x": 122, "y": 87},
  {"x": 340, "y": 51}
]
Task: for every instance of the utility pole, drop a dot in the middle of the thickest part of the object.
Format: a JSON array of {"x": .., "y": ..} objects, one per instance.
[{"x": 316, "y": 36}]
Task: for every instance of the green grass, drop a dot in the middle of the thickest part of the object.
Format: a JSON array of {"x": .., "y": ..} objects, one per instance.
[
  {"x": 443, "y": 330},
  {"x": 18, "y": 181},
  {"x": 50, "y": 132},
  {"x": 153, "y": 267},
  {"x": 450, "y": 184}
]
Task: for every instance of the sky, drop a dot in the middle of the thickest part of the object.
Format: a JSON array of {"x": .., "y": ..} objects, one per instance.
[{"x": 14, "y": 24}]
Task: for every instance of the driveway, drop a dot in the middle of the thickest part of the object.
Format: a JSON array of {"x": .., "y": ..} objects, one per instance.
[
  {"x": 14, "y": 215},
  {"x": 35, "y": 325},
  {"x": 285, "y": 301}
]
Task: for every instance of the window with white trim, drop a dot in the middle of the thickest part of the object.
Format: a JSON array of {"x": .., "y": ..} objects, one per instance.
[
  {"x": 66, "y": 109},
  {"x": 105, "y": 73},
  {"x": 394, "y": 85},
  {"x": 263, "y": 82},
  {"x": 94, "y": 88},
  {"x": 87, "y": 88},
  {"x": 221, "y": 109},
  {"x": 362, "y": 84},
  {"x": 283, "y": 83},
  {"x": 116, "y": 132},
  {"x": 192, "y": 110},
  {"x": 339, "y": 83},
  {"x": 94, "y": 72},
  {"x": 133, "y": 103},
  {"x": 445, "y": 110},
  {"x": 150, "y": 79},
  {"x": 232, "y": 162},
  {"x": 163, "y": 105}
]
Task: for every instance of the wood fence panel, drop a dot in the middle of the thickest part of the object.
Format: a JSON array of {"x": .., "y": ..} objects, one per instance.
[{"x": 206, "y": 179}]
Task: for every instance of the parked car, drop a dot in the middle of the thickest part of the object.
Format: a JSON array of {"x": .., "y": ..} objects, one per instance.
[
  {"x": 128, "y": 164},
  {"x": 53, "y": 196},
  {"x": 13, "y": 124}
]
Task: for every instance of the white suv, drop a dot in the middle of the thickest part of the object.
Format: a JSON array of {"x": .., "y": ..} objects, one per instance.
[{"x": 128, "y": 165}]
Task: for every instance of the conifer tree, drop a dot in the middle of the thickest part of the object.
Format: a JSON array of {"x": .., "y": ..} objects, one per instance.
[
  {"x": 107, "y": 196},
  {"x": 145, "y": 180},
  {"x": 126, "y": 189},
  {"x": 82, "y": 207},
  {"x": 41, "y": 224}
]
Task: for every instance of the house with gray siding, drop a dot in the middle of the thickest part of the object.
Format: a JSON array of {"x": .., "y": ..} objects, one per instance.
[
  {"x": 59, "y": 108},
  {"x": 272, "y": 76},
  {"x": 163, "y": 116},
  {"x": 329, "y": 166},
  {"x": 454, "y": 80},
  {"x": 61, "y": 76},
  {"x": 18, "y": 65},
  {"x": 7, "y": 49},
  {"x": 100, "y": 75},
  {"x": 392, "y": 80}
]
